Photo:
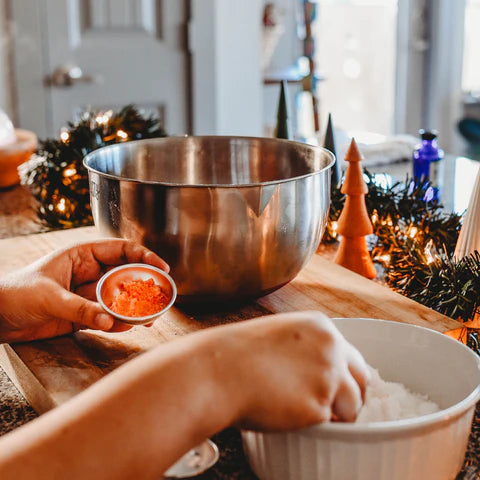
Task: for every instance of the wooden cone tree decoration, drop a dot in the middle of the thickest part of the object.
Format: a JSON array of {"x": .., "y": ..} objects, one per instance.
[{"x": 354, "y": 223}]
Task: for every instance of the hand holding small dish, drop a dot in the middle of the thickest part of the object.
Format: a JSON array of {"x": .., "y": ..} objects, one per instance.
[{"x": 136, "y": 293}]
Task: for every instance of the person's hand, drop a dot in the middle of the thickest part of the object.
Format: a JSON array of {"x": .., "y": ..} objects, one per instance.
[
  {"x": 56, "y": 294},
  {"x": 289, "y": 371}
]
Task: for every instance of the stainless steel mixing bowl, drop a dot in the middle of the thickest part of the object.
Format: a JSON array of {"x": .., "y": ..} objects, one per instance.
[{"x": 235, "y": 217}]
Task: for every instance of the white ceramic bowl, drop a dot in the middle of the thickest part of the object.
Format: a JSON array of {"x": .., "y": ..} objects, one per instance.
[{"x": 431, "y": 447}]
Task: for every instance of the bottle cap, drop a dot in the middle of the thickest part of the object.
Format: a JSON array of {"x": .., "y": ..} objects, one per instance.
[{"x": 428, "y": 134}]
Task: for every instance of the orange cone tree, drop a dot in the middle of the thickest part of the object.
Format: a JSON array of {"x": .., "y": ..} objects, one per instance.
[{"x": 354, "y": 222}]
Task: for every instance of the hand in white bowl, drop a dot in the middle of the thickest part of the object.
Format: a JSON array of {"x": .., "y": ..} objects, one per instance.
[{"x": 297, "y": 370}]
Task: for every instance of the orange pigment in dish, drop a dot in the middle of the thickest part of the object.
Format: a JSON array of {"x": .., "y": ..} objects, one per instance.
[{"x": 139, "y": 298}]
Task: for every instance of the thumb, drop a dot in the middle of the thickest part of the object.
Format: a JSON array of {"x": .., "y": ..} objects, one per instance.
[{"x": 79, "y": 310}]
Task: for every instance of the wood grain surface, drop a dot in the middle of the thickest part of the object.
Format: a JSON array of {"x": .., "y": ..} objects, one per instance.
[{"x": 50, "y": 372}]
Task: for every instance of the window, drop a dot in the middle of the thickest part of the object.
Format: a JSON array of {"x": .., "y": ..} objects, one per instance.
[
  {"x": 356, "y": 51},
  {"x": 471, "y": 65}
]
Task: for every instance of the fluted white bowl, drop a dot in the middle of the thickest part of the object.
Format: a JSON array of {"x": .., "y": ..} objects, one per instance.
[{"x": 430, "y": 447}]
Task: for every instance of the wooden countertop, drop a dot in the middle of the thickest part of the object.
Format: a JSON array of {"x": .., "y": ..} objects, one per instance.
[{"x": 49, "y": 372}]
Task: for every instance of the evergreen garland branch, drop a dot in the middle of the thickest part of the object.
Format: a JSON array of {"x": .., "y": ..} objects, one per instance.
[
  {"x": 55, "y": 174},
  {"x": 414, "y": 240}
]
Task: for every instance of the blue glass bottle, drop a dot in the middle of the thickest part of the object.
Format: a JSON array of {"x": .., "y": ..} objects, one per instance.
[{"x": 426, "y": 154}]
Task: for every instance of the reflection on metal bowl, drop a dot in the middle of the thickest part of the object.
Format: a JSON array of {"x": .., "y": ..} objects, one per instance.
[{"x": 235, "y": 217}]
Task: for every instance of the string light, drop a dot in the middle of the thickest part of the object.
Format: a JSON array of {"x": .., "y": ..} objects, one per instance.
[
  {"x": 104, "y": 117},
  {"x": 64, "y": 136},
  {"x": 101, "y": 119},
  {"x": 69, "y": 172},
  {"x": 385, "y": 259},
  {"x": 61, "y": 205},
  {"x": 122, "y": 134},
  {"x": 412, "y": 231},
  {"x": 429, "y": 249}
]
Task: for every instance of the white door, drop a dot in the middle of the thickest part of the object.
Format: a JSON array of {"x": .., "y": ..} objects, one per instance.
[{"x": 75, "y": 54}]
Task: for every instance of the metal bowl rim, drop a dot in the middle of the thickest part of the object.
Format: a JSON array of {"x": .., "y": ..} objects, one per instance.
[{"x": 207, "y": 185}]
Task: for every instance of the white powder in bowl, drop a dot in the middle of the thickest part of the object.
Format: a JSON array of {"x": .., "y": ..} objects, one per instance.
[{"x": 386, "y": 401}]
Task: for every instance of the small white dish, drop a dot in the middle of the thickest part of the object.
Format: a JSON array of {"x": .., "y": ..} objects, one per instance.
[
  {"x": 195, "y": 462},
  {"x": 109, "y": 286}
]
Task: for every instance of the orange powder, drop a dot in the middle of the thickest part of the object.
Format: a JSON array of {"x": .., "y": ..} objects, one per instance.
[{"x": 139, "y": 298}]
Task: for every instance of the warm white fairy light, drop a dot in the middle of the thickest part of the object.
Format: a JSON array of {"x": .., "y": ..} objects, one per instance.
[
  {"x": 333, "y": 229},
  {"x": 122, "y": 134},
  {"x": 64, "y": 136},
  {"x": 103, "y": 118},
  {"x": 429, "y": 252},
  {"x": 69, "y": 172},
  {"x": 412, "y": 232},
  {"x": 384, "y": 258},
  {"x": 61, "y": 205}
]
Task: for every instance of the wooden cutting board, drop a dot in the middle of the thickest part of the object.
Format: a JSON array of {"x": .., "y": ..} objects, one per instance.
[{"x": 50, "y": 372}]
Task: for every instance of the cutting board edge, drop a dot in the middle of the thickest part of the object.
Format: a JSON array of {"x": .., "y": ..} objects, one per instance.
[{"x": 25, "y": 381}]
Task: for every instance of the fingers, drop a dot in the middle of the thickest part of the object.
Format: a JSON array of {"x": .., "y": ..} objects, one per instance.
[
  {"x": 77, "y": 310},
  {"x": 353, "y": 385},
  {"x": 359, "y": 370},
  {"x": 118, "y": 251},
  {"x": 348, "y": 400},
  {"x": 89, "y": 261},
  {"x": 87, "y": 290},
  {"x": 120, "y": 327}
]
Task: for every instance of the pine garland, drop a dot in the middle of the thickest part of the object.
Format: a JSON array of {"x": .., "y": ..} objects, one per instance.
[
  {"x": 56, "y": 175},
  {"x": 414, "y": 240}
]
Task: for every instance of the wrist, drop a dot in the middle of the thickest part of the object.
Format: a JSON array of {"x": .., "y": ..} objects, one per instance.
[
  {"x": 228, "y": 372},
  {"x": 214, "y": 365}
]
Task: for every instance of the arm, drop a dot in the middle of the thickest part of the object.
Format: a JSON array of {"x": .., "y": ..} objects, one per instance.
[{"x": 279, "y": 372}]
